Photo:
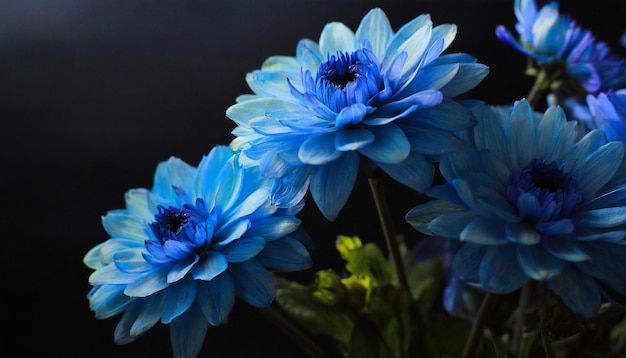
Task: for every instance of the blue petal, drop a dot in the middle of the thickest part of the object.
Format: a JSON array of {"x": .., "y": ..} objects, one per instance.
[
  {"x": 556, "y": 227},
  {"x": 523, "y": 234},
  {"x": 146, "y": 284},
  {"x": 122, "y": 330},
  {"x": 484, "y": 231},
  {"x": 331, "y": 184},
  {"x": 210, "y": 265},
  {"x": 411, "y": 40},
  {"x": 415, "y": 172},
  {"x": 180, "y": 269},
  {"x": 216, "y": 298},
  {"x": 121, "y": 225},
  {"x": 376, "y": 29},
  {"x": 173, "y": 172},
  {"x": 537, "y": 263},
  {"x": 353, "y": 138},
  {"x": 564, "y": 249},
  {"x": 499, "y": 270},
  {"x": 431, "y": 141},
  {"x": 243, "y": 249},
  {"x": 269, "y": 83},
  {"x": 336, "y": 37},
  {"x": 420, "y": 216},
  {"x": 448, "y": 115},
  {"x": 274, "y": 227},
  {"x": 390, "y": 146},
  {"x": 523, "y": 134},
  {"x": 285, "y": 255},
  {"x": 579, "y": 291},
  {"x": 177, "y": 299},
  {"x": 599, "y": 167},
  {"x": 290, "y": 189},
  {"x": 450, "y": 225},
  {"x": 319, "y": 149},
  {"x": 253, "y": 283},
  {"x": 603, "y": 218},
  {"x": 231, "y": 231},
  {"x": 108, "y": 300},
  {"x": 468, "y": 77},
  {"x": 482, "y": 198},
  {"x": 187, "y": 333},
  {"x": 149, "y": 313},
  {"x": 467, "y": 261},
  {"x": 142, "y": 203},
  {"x": 352, "y": 114},
  {"x": 309, "y": 55}
]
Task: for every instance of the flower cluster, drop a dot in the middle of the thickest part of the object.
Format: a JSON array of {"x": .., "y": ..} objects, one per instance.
[{"x": 528, "y": 201}]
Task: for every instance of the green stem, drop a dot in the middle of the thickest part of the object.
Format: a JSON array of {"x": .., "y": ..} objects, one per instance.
[
  {"x": 292, "y": 331},
  {"x": 387, "y": 226},
  {"x": 479, "y": 324},
  {"x": 518, "y": 329},
  {"x": 539, "y": 89}
]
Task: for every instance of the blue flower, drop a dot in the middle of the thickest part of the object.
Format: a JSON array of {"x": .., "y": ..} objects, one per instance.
[
  {"x": 459, "y": 299},
  {"x": 375, "y": 93},
  {"x": 179, "y": 253},
  {"x": 608, "y": 113},
  {"x": 533, "y": 199},
  {"x": 549, "y": 37}
]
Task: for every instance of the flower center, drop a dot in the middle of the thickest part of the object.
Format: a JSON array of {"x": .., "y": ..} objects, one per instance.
[
  {"x": 339, "y": 70},
  {"x": 543, "y": 192},
  {"x": 347, "y": 78},
  {"x": 168, "y": 222},
  {"x": 181, "y": 224}
]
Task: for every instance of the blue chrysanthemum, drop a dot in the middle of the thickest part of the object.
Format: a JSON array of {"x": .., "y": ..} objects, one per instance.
[
  {"x": 181, "y": 252},
  {"x": 376, "y": 93},
  {"x": 608, "y": 113},
  {"x": 533, "y": 199},
  {"x": 547, "y": 37}
]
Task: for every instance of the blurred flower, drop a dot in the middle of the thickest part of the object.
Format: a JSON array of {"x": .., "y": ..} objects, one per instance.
[
  {"x": 531, "y": 199},
  {"x": 459, "y": 299},
  {"x": 608, "y": 113},
  {"x": 371, "y": 93},
  {"x": 551, "y": 38},
  {"x": 182, "y": 251}
]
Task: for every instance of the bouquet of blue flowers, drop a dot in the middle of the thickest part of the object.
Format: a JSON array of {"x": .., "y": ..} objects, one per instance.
[{"x": 519, "y": 240}]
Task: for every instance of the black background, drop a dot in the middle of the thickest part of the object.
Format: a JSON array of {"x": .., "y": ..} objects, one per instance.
[{"x": 93, "y": 94}]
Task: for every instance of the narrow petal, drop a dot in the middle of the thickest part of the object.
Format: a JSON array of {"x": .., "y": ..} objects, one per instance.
[
  {"x": 274, "y": 227},
  {"x": 187, "y": 333},
  {"x": 331, "y": 184},
  {"x": 538, "y": 263},
  {"x": 285, "y": 255},
  {"x": 336, "y": 37},
  {"x": 390, "y": 146},
  {"x": 177, "y": 299},
  {"x": 500, "y": 271},
  {"x": 147, "y": 284},
  {"x": 243, "y": 249},
  {"x": 317, "y": 150},
  {"x": 578, "y": 291},
  {"x": 451, "y": 225},
  {"x": 415, "y": 172},
  {"x": 210, "y": 265},
  {"x": 216, "y": 298},
  {"x": 484, "y": 231},
  {"x": 253, "y": 283},
  {"x": 353, "y": 138},
  {"x": 603, "y": 218},
  {"x": 376, "y": 29},
  {"x": 467, "y": 261},
  {"x": 523, "y": 234}
]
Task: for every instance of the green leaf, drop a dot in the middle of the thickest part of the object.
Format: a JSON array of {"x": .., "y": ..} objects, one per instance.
[{"x": 297, "y": 300}]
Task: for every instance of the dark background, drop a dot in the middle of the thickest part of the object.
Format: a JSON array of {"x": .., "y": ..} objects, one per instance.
[{"x": 93, "y": 94}]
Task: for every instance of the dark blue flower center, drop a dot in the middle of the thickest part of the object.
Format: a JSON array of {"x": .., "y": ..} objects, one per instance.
[
  {"x": 548, "y": 192},
  {"x": 347, "y": 78},
  {"x": 339, "y": 70},
  {"x": 173, "y": 223}
]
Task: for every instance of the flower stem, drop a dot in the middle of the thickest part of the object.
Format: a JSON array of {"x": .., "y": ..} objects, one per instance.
[
  {"x": 479, "y": 323},
  {"x": 539, "y": 88},
  {"x": 386, "y": 223},
  {"x": 518, "y": 329},
  {"x": 293, "y": 332}
]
